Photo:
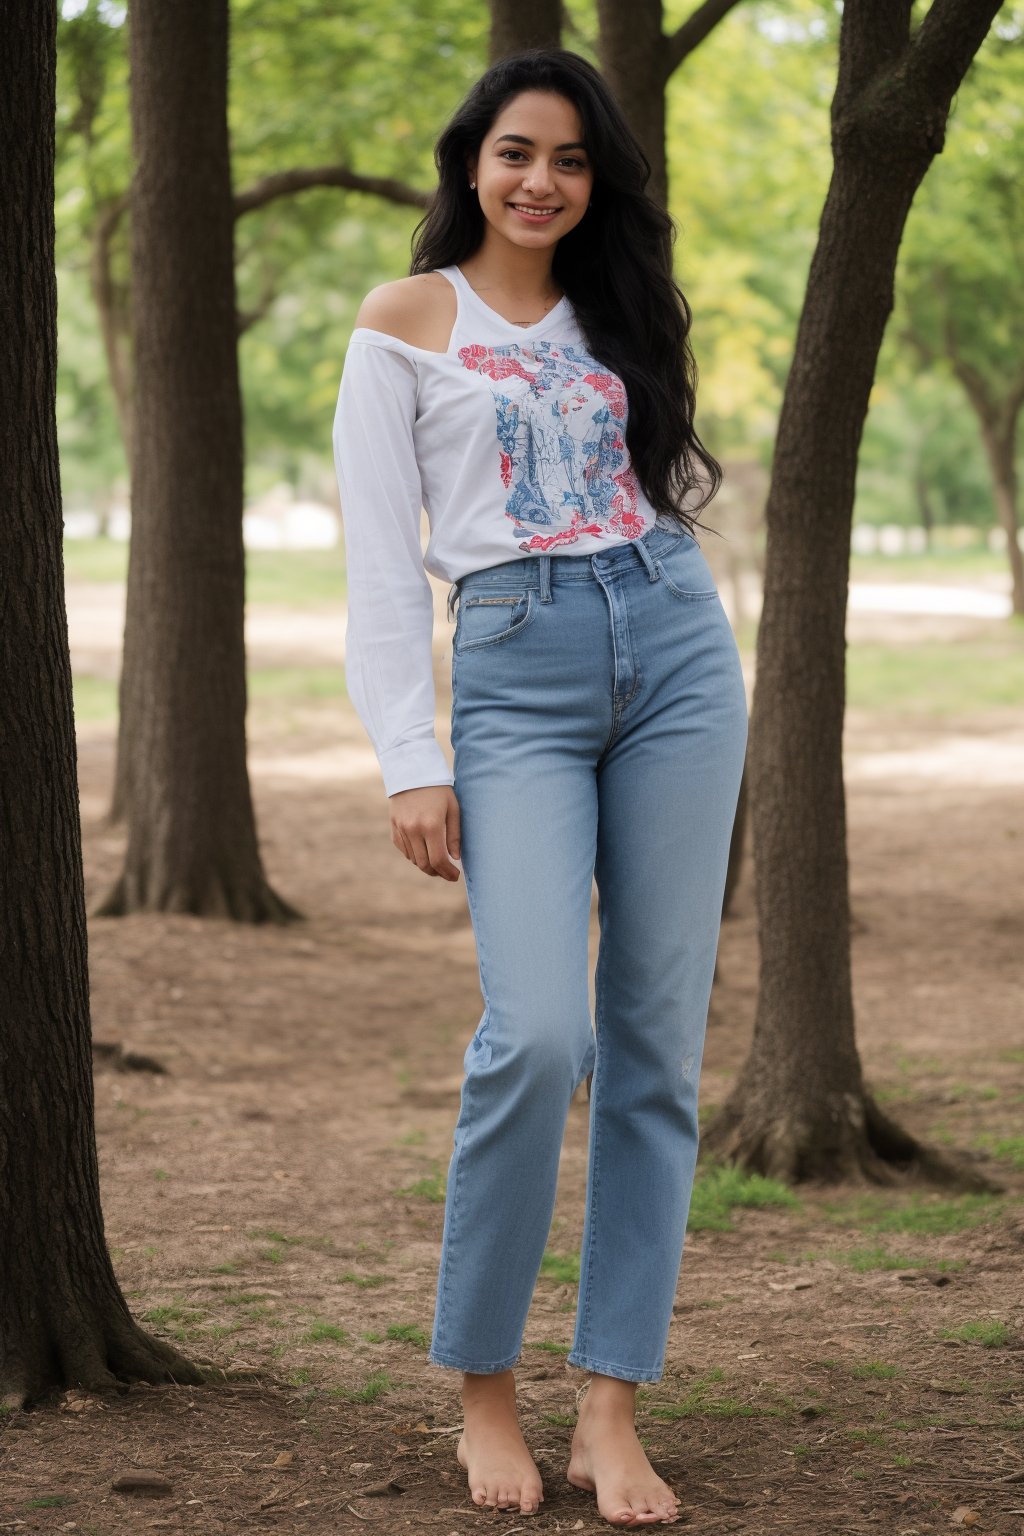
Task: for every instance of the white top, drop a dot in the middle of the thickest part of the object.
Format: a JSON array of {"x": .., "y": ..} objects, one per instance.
[{"x": 514, "y": 441}]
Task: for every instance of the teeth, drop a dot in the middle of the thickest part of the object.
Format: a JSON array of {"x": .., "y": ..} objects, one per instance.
[{"x": 525, "y": 208}]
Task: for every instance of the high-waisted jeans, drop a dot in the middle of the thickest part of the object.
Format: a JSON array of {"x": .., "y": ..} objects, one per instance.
[{"x": 599, "y": 725}]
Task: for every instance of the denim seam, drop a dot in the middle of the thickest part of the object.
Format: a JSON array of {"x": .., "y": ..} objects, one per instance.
[
  {"x": 624, "y": 1372},
  {"x": 444, "y": 1278},
  {"x": 459, "y": 1362},
  {"x": 583, "y": 1305}
]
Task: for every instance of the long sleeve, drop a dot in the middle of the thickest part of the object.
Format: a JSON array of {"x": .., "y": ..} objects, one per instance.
[{"x": 388, "y": 667}]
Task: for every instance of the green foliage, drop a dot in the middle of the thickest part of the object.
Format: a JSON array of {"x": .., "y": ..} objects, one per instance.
[
  {"x": 319, "y": 1330},
  {"x": 563, "y": 1267},
  {"x": 432, "y": 1187},
  {"x": 375, "y": 1386},
  {"x": 915, "y": 1213},
  {"x": 408, "y": 1333},
  {"x": 987, "y": 1331},
  {"x": 719, "y": 1189}
]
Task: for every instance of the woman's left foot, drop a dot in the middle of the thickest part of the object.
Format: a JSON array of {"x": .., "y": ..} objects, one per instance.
[{"x": 608, "y": 1459}]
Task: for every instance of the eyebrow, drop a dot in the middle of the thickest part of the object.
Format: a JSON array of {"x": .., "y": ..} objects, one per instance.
[{"x": 518, "y": 138}]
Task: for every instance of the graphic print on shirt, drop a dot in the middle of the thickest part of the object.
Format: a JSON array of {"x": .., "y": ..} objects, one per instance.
[{"x": 561, "y": 422}]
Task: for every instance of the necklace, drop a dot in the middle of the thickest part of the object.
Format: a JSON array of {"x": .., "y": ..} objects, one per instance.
[{"x": 548, "y": 307}]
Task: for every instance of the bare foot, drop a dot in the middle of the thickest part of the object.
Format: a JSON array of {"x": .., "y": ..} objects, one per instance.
[
  {"x": 608, "y": 1459},
  {"x": 502, "y": 1473}
]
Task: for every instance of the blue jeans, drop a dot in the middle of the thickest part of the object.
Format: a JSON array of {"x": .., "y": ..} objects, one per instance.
[{"x": 599, "y": 725}]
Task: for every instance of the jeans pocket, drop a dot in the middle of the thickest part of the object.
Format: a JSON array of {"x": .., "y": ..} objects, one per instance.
[
  {"x": 686, "y": 572},
  {"x": 487, "y": 618}
]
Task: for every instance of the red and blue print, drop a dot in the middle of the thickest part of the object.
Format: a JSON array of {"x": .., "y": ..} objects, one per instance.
[{"x": 561, "y": 421}]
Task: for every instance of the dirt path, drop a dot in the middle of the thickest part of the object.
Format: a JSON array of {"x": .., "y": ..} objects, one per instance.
[{"x": 273, "y": 1200}]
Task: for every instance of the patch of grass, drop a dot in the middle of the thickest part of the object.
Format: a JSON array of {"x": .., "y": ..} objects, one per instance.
[
  {"x": 563, "y": 1267},
  {"x": 866, "y": 1436},
  {"x": 936, "y": 679},
  {"x": 372, "y": 1338},
  {"x": 700, "y": 1402},
  {"x": 175, "y": 1312},
  {"x": 373, "y": 1388},
  {"x": 975, "y": 1091},
  {"x": 877, "y": 1368},
  {"x": 319, "y": 1330},
  {"x": 364, "y": 1282},
  {"x": 408, "y": 1333},
  {"x": 552, "y": 1346},
  {"x": 904, "y": 1461},
  {"x": 240, "y": 1298},
  {"x": 49, "y": 1501},
  {"x": 863, "y": 1260},
  {"x": 431, "y": 1187},
  {"x": 412, "y": 1139},
  {"x": 924, "y": 1213},
  {"x": 1011, "y": 1148},
  {"x": 1014, "y": 1055},
  {"x": 300, "y": 1377},
  {"x": 989, "y": 1332},
  {"x": 229, "y": 1267},
  {"x": 720, "y": 1188},
  {"x": 566, "y": 1419}
]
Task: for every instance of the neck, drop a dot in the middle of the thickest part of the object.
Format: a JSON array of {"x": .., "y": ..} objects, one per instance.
[{"x": 522, "y": 277}]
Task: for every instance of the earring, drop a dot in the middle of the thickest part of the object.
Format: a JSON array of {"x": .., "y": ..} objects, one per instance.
[{"x": 472, "y": 183}]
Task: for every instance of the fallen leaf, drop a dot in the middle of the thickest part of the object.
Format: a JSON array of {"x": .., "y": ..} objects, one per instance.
[
  {"x": 285, "y": 1459},
  {"x": 963, "y": 1515},
  {"x": 375, "y": 1490}
]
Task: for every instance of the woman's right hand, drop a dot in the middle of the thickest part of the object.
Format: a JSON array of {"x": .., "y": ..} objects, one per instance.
[{"x": 426, "y": 827}]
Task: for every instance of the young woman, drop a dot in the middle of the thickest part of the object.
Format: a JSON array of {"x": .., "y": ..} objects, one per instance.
[{"x": 599, "y": 724}]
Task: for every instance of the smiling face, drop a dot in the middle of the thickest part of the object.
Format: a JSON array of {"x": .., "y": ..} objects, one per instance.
[{"x": 533, "y": 159}]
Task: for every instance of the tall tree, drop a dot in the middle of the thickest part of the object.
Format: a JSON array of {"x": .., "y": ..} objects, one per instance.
[
  {"x": 638, "y": 58},
  {"x": 63, "y": 1319},
  {"x": 517, "y": 24},
  {"x": 800, "y": 1108},
  {"x": 955, "y": 309},
  {"x": 192, "y": 843}
]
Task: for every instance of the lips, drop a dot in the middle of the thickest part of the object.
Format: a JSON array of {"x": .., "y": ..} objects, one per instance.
[{"x": 533, "y": 210}]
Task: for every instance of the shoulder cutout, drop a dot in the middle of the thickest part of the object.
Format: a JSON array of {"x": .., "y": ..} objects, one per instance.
[{"x": 418, "y": 310}]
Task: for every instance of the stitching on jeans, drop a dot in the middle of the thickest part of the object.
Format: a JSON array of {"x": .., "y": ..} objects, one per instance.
[
  {"x": 606, "y": 1367},
  {"x": 584, "y": 1305}
]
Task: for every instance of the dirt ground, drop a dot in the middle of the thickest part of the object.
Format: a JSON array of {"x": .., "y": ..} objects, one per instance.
[{"x": 273, "y": 1198}]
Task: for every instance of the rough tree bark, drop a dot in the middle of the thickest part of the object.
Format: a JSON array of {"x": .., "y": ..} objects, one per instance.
[
  {"x": 183, "y": 778},
  {"x": 517, "y": 24},
  {"x": 63, "y": 1319},
  {"x": 800, "y": 1108}
]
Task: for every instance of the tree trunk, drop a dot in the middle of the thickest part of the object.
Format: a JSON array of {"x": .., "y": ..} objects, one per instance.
[
  {"x": 63, "y": 1319},
  {"x": 183, "y": 779},
  {"x": 631, "y": 50},
  {"x": 800, "y": 1108},
  {"x": 999, "y": 435},
  {"x": 922, "y": 491},
  {"x": 1001, "y": 446},
  {"x": 517, "y": 24}
]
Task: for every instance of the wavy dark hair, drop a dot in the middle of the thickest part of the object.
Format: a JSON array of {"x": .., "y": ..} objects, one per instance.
[{"x": 615, "y": 266}]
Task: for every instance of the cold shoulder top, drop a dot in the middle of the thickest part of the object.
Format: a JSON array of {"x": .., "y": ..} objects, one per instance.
[{"x": 514, "y": 442}]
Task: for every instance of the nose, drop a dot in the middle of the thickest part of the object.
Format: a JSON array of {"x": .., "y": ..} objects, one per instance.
[{"x": 537, "y": 182}]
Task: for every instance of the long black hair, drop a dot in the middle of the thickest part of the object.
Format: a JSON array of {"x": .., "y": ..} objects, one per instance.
[{"x": 615, "y": 266}]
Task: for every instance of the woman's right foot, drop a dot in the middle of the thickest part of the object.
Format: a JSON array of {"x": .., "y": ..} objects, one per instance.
[{"x": 502, "y": 1473}]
